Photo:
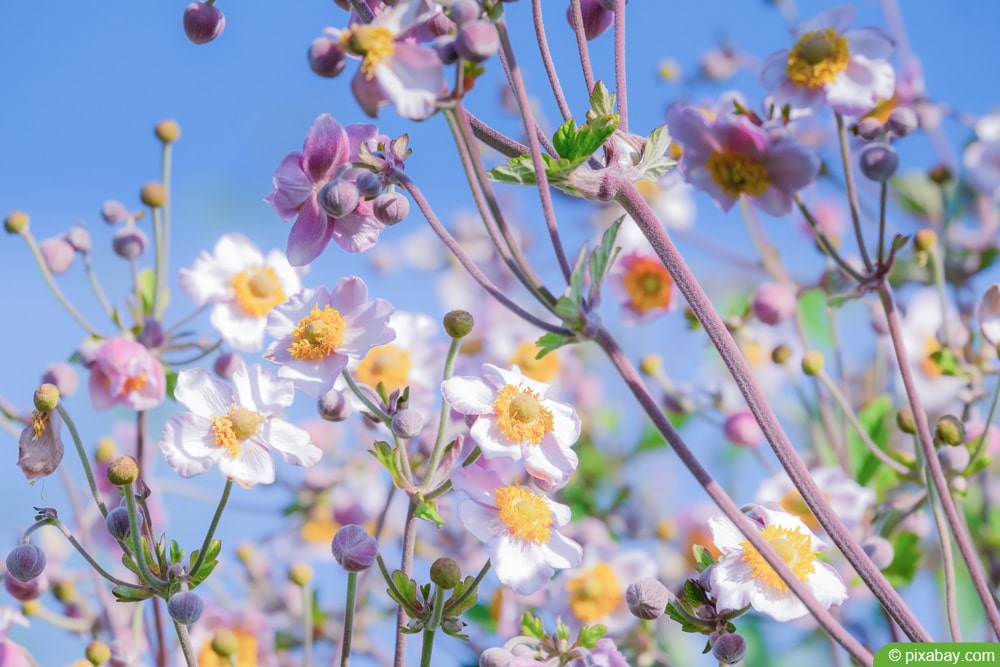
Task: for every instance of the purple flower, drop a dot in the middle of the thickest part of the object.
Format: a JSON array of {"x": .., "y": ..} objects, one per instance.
[
  {"x": 731, "y": 156},
  {"x": 328, "y": 149}
]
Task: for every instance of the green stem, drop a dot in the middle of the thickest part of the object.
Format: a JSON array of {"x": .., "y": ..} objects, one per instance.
[
  {"x": 374, "y": 409},
  {"x": 47, "y": 275},
  {"x": 83, "y": 552},
  {"x": 937, "y": 267},
  {"x": 96, "y": 285},
  {"x": 825, "y": 242},
  {"x": 163, "y": 245},
  {"x": 947, "y": 561},
  {"x": 75, "y": 435},
  {"x": 413, "y": 611},
  {"x": 438, "y": 451},
  {"x": 186, "y": 647},
  {"x": 345, "y": 643},
  {"x": 212, "y": 526},
  {"x": 882, "y": 199},
  {"x": 138, "y": 553},
  {"x": 472, "y": 587},
  {"x": 981, "y": 441},
  {"x": 426, "y": 648}
]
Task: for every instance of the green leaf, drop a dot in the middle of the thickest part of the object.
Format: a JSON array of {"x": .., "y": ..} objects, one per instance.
[
  {"x": 603, "y": 256},
  {"x": 427, "y": 510},
  {"x": 480, "y": 615},
  {"x": 124, "y": 593},
  {"x": 946, "y": 361},
  {"x": 589, "y": 635},
  {"x": 904, "y": 563},
  {"x": 685, "y": 619},
  {"x": 812, "y": 308},
  {"x": 562, "y": 630},
  {"x": 518, "y": 170},
  {"x": 592, "y": 136},
  {"x": 176, "y": 553},
  {"x": 147, "y": 288},
  {"x": 577, "y": 278},
  {"x": 602, "y": 102},
  {"x": 702, "y": 557},
  {"x": 875, "y": 417},
  {"x": 694, "y": 595},
  {"x": 550, "y": 342},
  {"x": 564, "y": 139},
  {"x": 918, "y": 195},
  {"x": 532, "y": 626},
  {"x": 451, "y": 609}
]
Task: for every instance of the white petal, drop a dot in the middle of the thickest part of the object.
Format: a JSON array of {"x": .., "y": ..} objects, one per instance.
[
  {"x": 548, "y": 463},
  {"x": 482, "y": 521},
  {"x": 284, "y": 318},
  {"x": 565, "y": 423},
  {"x": 202, "y": 394},
  {"x": 349, "y": 294},
  {"x": 260, "y": 391},
  {"x": 292, "y": 443},
  {"x": 827, "y": 585},
  {"x": 253, "y": 465},
  {"x": 561, "y": 552},
  {"x": 859, "y": 87},
  {"x": 492, "y": 441},
  {"x": 725, "y": 535},
  {"x": 468, "y": 395},
  {"x": 732, "y": 583},
  {"x": 519, "y": 564},
  {"x": 188, "y": 446},
  {"x": 242, "y": 332}
]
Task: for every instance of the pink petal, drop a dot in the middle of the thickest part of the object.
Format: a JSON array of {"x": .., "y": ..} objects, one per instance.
[
  {"x": 359, "y": 230},
  {"x": 859, "y": 88},
  {"x": 291, "y": 187},
  {"x": 791, "y": 167},
  {"x": 325, "y": 149},
  {"x": 689, "y": 128},
  {"x": 869, "y": 42},
  {"x": 774, "y": 201},
  {"x": 412, "y": 80},
  {"x": 368, "y": 93},
  {"x": 309, "y": 236}
]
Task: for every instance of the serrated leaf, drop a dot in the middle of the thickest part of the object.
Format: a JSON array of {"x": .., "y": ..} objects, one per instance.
[
  {"x": 564, "y": 139},
  {"x": 427, "y": 510},
  {"x": 875, "y": 418},
  {"x": 518, "y": 170},
  {"x": 562, "y": 630},
  {"x": 532, "y": 626},
  {"x": 603, "y": 256},
  {"x": 589, "y": 635},
  {"x": 602, "y": 102},
  {"x": 703, "y": 558},
  {"x": 592, "y": 136},
  {"x": 550, "y": 342},
  {"x": 176, "y": 553},
  {"x": 125, "y": 593},
  {"x": 685, "y": 620},
  {"x": 569, "y": 311},
  {"x": 577, "y": 277},
  {"x": 694, "y": 594}
]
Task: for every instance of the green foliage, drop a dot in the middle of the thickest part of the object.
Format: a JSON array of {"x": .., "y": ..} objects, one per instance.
[
  {"x": 815, "y": 319},
  {"x": 427, "y": 510},
  {"x": 907, "y": 557},
  {"x": 207, "y": 565},
  {"x": 877, "y": 419}
]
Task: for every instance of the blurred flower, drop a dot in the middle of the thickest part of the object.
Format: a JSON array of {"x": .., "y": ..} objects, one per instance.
[
  {"x": 40, "y": 447},
  {"x": 11, "y": 654},
  {"x": 253, "y": 638},
  {"x": 126, "y": 372},
  {"x": 850, "y": 501},
  {"x": 923, "y": 330},
  {"x": 243, "y": 285},
  {"x": 643, "y": 284}
]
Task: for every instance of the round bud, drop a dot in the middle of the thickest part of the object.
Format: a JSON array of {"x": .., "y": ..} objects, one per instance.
[
  {"x": 46, "y": 397},
  {"x": 463, "y": 11},
  {"x": 742, "y": 429},
  {"x": 869, "y": 128},
  {"x": 25, "y": 562},
  {"x": 369, "y": 184},
  {"x": 880, "y": 550},
  {"x": 300, "y": 574},
  {"x": 407, "y": 424},
  {"x": 729, "y": 648},
  {"x": 954, "y": 459},
  {"x": 391, "y": 208},
  {"x": 906, "y": 421},
  {"x": 117, "y": 522},
  {"x": 64, "y": 591},
  {"x": 458, "y": 323},
  {"x": 812, "y": 363},
  {"x": 781, "y": 354},
  {"x": 97, "y": 652},
  {"x": 439, "y": 25},
  {"x": 185, "y": 607},
  {"x": 596, "y": 18},
  {"x": 152, "y": 335},
  {"x": 16, "y": 222},
  {"x": 106, "y": 450},
  {"x": 339, "y": 198},
  {"x": 26, "y": 591},
  {"x": 123, "y": 471},
  {"x": 446, "y": 573},
  {"x": 334, "y": 407},
  {"x": 225, "y": 644},
  {"x": 902, "y": 121},
  {"x": 647, "y": 598},
  {"x": 153, "y": 195},
  {"x": 226, "y": 364},
  {"x": 354, "y": 548},
  {"x": 129, "y": 243},
  {"x": 167, "y": 131},
  {"x": 477, "y": 40},
  {"x": 949, "y": 430},
  {"x": 31, "y": 608},
  {"x": 495, "y": 657},
  {"x": 203, "y": 23},
  {"x": 79, "y": 238},
  {"x": 444, "y": 46},
  {"x": 651, "y": 364},
  {"x": 940, "y": 174},
  {"x": 958, "y": 484},
  {"x": 244, "y": 553},
  {"x": 878, "y": 161},
  {"x": 57, "y": 253},
  {"x": 326, "y": 58},
  {"x": 774, "y": 303},
  {"x": 608, "y": 4},
  {"x": 114, "y": 212},
  {"x": 925, "y": 240}
]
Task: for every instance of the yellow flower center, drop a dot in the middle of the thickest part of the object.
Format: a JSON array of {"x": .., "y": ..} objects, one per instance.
[
  {"x": 319, "y": 530},
  {"x": 817, "y": 58},
  {"x": 373, "y": 43},
  {"x": 928, "y": 365},
  {"x": 317, "y": 335},
  {"x": 595, "y": 594},
  {"x": 39, "y": 420},
  {"x": 793, "y": 503},
  {"x": 794, "y": 547},
  {"x": 648, "y": 285},
  {"x": 526, "y": 514},
  {"x": 246, "y": 655},
  {"x": 521, "y": 415},
  {"x": 738, "y": 173},
  {"x": 258, "y": 291},
  {"x": 543, "y": 369},
  {"x": 388, "y": 364},
  {"x": 235, "y": 426}
]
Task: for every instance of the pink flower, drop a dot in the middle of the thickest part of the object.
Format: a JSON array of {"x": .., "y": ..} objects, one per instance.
[
  {"x": 125, "y": 372},
  {"x": 829, "y": 64},
  {"x": 326, "y": 153},
  {"x": 731, "y": 157}
]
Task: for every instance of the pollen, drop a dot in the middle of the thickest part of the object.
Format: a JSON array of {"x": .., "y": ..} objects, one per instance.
[
  {"x": 595, "y": 594},
  {"x": 235, "y": 426},
  {"x": 39, "y": 420},
  {"x": 134, "y": 383},
  {"x": 794, "y": 547},
  {"x": 257, "y": 291},
  {"x": 648, "y": 284},
  {"x": 318, "y": 335},
  {"x": 521, "y": 416},
  {"x": 526, "y": 514},
  {"x": 388, "y": 364},
  {"x": 543, "y": 369},
  {"x": 817, "y": 58},
  {"x": 738, "y": 173},
  {"x": 373, "y": 43}
]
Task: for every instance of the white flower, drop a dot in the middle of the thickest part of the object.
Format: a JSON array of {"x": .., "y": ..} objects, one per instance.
[
  {"x": 988, "y": 315},
  {"x": 244, "y": 286},
  {"x": 516, "y": 420},
  {"x": 923, "y": 330},
  {"x": 235, "y": 427},
  {"x": 517, "y": 526},
  {"x": 849, "y": 500},
  {"x": 742, "y": 577}
]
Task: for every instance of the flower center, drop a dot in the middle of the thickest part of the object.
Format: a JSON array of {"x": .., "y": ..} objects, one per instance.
[
  {"x": 794, "y": 547},
  {"x": 235, "y": 426},
  {"x": 246, "y": 654},
  {"x": 258, "y": 291},
  {"x": 793, "y": 503},
  {"x": 928, "y": 365},
  {"x": 817, "y": 58},
  {"x": 595, "y": 594},
  {"x": 543, "y": 369},
  {"x": 648, "y": 285},
  {"x": 39, "y": 420},
  {"x": 738, "y": 173},
  {"x": 317, "y": 335},
  {"x": 521, "y": 415},
  {"x": 388, "y": 364},
  {"x": 526, "y": 515},
  {"x": 373, "y": 43}
]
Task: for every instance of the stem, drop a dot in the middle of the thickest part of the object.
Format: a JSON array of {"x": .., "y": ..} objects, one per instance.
[
  {"x": 981, "y": 442},
  {"x": 581, "y": 45},
  {"x": 406, "y": 563},
  {"x": 56, "y": 292},
  {"x": 494, "y": 139},
  {"x": 427, "y": 647},
  {"x": 828, "y": 246},
  {"x": 75, "y": 435},
  {"x": 852, "y": 194},
  {"x": 83, "y": 552},
  {"x": 345, "y": 644},
  {"x": 550, "y": 69},
  {"x": 163, "y": 237},
  {"x": 947, "y": 562},
  {"x": 96, "y": 285},
  {"x": 212, "y": 526},
  {"x": 392, "y": 585},
  {"x": 363, "y": 11},
  {"x": 882, "y": 200},
  {"x": 140, "y": 442},
  {"x": 138, "y": 553},
  {"x": 161, "y": 642},
  {"x": 185, "y": 641},
  {"x": 438, "y": 452},
  {"x": 473, "y": 586},
  {"x": 307, "y": 618},
  {"x": 620, "y": 78}
]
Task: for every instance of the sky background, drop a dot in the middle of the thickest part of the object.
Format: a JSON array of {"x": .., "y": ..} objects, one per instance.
[{"x": 83, "y": 83}]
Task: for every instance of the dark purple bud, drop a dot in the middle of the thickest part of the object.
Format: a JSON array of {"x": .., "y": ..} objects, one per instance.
[
  {"x": 63, "y": 377},
  {"x": 152, "y": 335},
  {"x": 26, "y": 591},
  {"x": 25, "y": 562},
  {"x": 185, "y": 607},
  {"x": 902, "y": 121},
  {"x": 445, "y": 48},
  {"x": 774, "y": 303},
  {"x": 369, "y": 184},
  {"x": 879, "y": 162},
  {"x": 334, "y": 406},
  {"x": 117, "y": 522},
  {"x": 477, "y": 40},
  {"x": 114, "y": 212},
  {"x": 463, "y": 11},
  {"x": 354, "y": 548},
  {"x": 495, "y": 657},
  {"x": 869, "y": 128},
  {"x": 391, "y": 208},
  {"x": 79, "y": 238},
  {"x": 596, "y": 18},
  {"x": 203, "y": 22},
  {"x": 729, "y": 648},
  {"x": 339, "y": 198},
  {"x": 226, "y": 364},
  {"x": 880, "y": 550},
  {"x": 647, "y": 598},
  {"x": 58, "y": 254},
  {"x": 326, "y": 58},
  {"x": 129, "y": 243},
  {"x": 407, "y": 424}
]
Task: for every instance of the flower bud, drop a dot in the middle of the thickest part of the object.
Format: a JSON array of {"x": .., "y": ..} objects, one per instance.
[
  {"x": 25, "y": 562},
  {"x": 812, "y": 363},
  {"x": 391, "y": 208},
  {"x": 26, "y": 591},
  {"x": 123, "y": 471},
  {"x": 97, "y": 652},
  {"x": 902, "y": 121},
  {"x": 949, "y": 430},
  {"x": 463, "y": 11},
  {"x": 106, "y": 450},
  {"x": 596, "y": 18},
  {"x": 742, "y": 429},
  {"x": 225, "y": 644},
  {"x": 46, "y": 397},
  {"x": 940, "y": 174},
  {"x": 444, "y": 46},
  {"x": 446, "y": 573},
  {"x": 958, "y": 484},
  {"x": 439, "y": 25},
  {"x": 407, "y": 424},
  {"x": 477, "y": 41},
  {"x": 167, "y": 131},
  {"x": 458, "y": 323},
  {"x": 203, "y": 22},
  {"x": 334, "y": 406},
  {"x": 906, "y": 421},
  {"x": 300, "y": 574},
  {"x": 153, "y": 195},
  {"x": 57, "y": 253},
  {"x": 114, "y": 212},
  {"x": 729, "y": 648},
  {"x": 129, "y": 243},
  {"x": 117, "y": 522},
  {"x": 781, "y": 354},
  {"x": 16, "y": 222},
  {"x": 326, "y": 58},
  {"x": 954, "y": 459},
  {"x": 878, "y": 161},
  {"x": 185, "y": 607},
  {"x": 226, "y": 364},
  {"x": 925, "y": 240},
  {"x": 339, "y": 198},
  {"x": 495, "y": 657},
  {"x": 152, "y": 335},
  {"x": 647, "y": 598},
  {"x": 774, "y": 303},
  {"x": 65, "y": 591},
  {"x": 869, "y": 128},
  {"x": 354, "y": 548},
  {"x": 79, "y": 238},
  {"x": 880, "y": 550},
  {"x": 369, "y": 184}
]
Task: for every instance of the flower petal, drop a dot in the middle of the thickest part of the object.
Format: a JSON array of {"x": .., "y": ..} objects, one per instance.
[
  {"x": 292, "y": 443},
  {"x": 325, "y": 149},
  {"x": 188, "y": 445},
  {"x": 359, "y": 230},
  {"x": 859, "y": 87},
  {"x": 869, "y": 42},
  {"x": 310, "y": 234},
  {"x": 468, "y": 395},
  {"x": 291, "y": 187},
  {"x": 253, "y": 465},
  {"x": 202, "y": 394}
]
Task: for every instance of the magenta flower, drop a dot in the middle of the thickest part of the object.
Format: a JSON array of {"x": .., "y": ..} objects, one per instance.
[
  {"x": 328, "y": 149},
  {"x": 126, "y": 372},
  {"x": 731, "y": 157}
]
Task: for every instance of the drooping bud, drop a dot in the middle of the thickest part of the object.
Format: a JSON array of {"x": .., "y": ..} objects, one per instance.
[
  {"x": 97, "y": 652},
  {"x": 391, "y": 208},
  {"x": 129, "y": 243},
  {"x": 203, "y": 22},
  {"x": 114, "y": 212},
  {"x": 46, "y": 397},
  {"x": 458, "y": 323},
  {"x": 878, "y": 162},
  {"x": 812, "y": 363},
  {"x": 477, "y": 41},
  {"x": 446, "y": 573},
  {"x": 647, "y": 598},
  {"x": 463, "y": 11},
  {"x": 954, "y": 459},
  {"x": 57, "y": 253},
  {"x": 79, "y": 237},
  {"x": 123, "y": 471},
  {"x": 25, "y": 562},
  {"x": 117, "y": 522},
  {"x": 185, "y": 607},
  {"x": 300, "y": 574},
  {"x": 339, "y": 198},
  {"x": 880, "y": 550},
  {"x": 153, "y": 195},
  {"x": 729, "y": 648},
  {"x": 444, "y": 46},
  {"x": 949, "y": 430},
  {"x": 596, "y": 18},
  {"x": 902, "y": 121},
  {"x": 26, "y": 591},
  {"x": 152, "y": 335},
  {"x": 407, "y": 424},
  {"x": 774, "y": 303},
  {"x": 439, "y": 25},
  {"x": 354, "y": 548},
  {"x": 742, "y": 429},
  {"x": 326, "y": 58},
  {"x": 16, "y": 222},
  {"x": 334, "y": 407},
  {"x": 369, "y": 184},
  {"x": 869, "y": 129}
]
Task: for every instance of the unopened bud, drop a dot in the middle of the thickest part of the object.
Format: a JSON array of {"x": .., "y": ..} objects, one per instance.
[
  {"x": 463, "y": 11},
  {"x": 339, "y": 198},
  {"x": 25, "y": 562},
  {"x": 729, "y": 648},
  {"x": 878, "y": 161},
  {"x": 203, "y": 22},
  {"x": 97, "y": 652},
  {"x": 123, "y": 471},
  {"x": 774, "y": 303},
  {"x": 651, "y": 364},
  {"x": 117, "y": 522},
  {"x": 407, "y": 424},
  {"x": 129, "y": 243},
  {"x": 46, "y": 397},
  {"x": 391, "y": 208},
  {"x": 225, "y": 644},
  {"x": 495, "y": 657},
  {"x": 57, "y": 254},
  {"x": 369, "y": 184},
  {"x": 167, "y": 131},
  {"x": 924, "y": 240},
  {"x": 16, "y": 222},
  {"x": 940, "y": 174},
  {"x": 812, "y": 363},
  {"x": 334, "y": 406},
  {"x": 225, "y": 364},
  {"x": 647, "y": 598},
  {"x": 79, "y": 237},
  {"x": 114, "y": 212},
  {"x": 326, "y": 58},
  {"x": 781, "y": 354},
  {"x": 949, "y": 430},
  {"x": 153, "y": 195},
  {"x": 26, "y": 591},
  {"x": 244, "y": 553},
  {"x": 596, "y": 18},
  {"x": 300, "y": 574},
  {"x": 742, "y": 429},
  {"x": 869, "y": 128},
  {"x": 65, "y": 591},
  {"x": 880, "y": 550},
  {"x": 458, "y": 323},
  {"x": 477, "y": 41},
  {"x": 444, "y": 46},
  {"x": 446, "y": 573},
  {"x": 185, "y": 607},
  {"x": 354, "y": 548},
  {"x": 954, "y": 460},
  {"x": 106, "y": 450},
  {"x": 902, "y": 121},
  {"x": 906, "y": 421}
]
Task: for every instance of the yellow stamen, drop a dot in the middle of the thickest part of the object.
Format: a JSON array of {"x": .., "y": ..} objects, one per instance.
[
  {"x": 373, "y": 43},
  {"x": 317, "y": 335},
  {"x": 235, "y": 426},
  {"x": 928, "y": 365},
  {"x": 817, "y": 58},
  {"x": 526, "y": 514},
  {"x": 648, "y": 284},
  {"x": 246, "y": 654},
  {"x": 258, "y": 291},
  {"x": 134, "y": 384},
  {"x": 595, "y": 594},
  {"x": 738, "y": 173},
  {"x": 543, "y": 369},
  {"x": 39, "y": 420},
  {"x": 521, "y": 416},
  {"x": 794, "y": 547},
  {"x": 388, "y": 364}
]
